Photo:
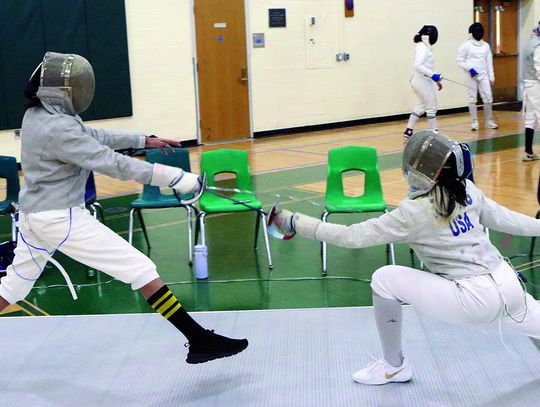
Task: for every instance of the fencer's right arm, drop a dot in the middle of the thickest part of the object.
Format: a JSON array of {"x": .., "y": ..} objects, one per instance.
[
  {"x": 176, "y": 178},
  {"x": 462, "y": 57},
  {"x": 71, "y": 144},
  {"x": 392, "y": 227}
]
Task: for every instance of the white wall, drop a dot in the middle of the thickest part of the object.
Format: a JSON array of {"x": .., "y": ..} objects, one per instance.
[
  {"x": 374, "y": 82},
  {"x": 160, "y": 59}
]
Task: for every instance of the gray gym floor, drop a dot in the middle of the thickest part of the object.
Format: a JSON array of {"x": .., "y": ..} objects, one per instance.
[{"x": 296, "y": 358}]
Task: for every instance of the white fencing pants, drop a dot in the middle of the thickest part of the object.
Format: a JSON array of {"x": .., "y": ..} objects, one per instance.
[
  {"x": 482, "y": 85},
  {"x": 80, "y": 236},
  {"x": 531, "y": 103},
  {"x": 426, "y": 98},
  {"x": 476, "y": 300}
]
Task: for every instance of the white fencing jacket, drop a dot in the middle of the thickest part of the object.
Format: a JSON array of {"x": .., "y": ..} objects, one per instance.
[
  {"x": 453, "y": 248},
  {"x": 477, "y": 55}
]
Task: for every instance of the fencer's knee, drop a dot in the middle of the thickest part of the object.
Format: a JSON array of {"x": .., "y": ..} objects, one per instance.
[
  {"x": 472, "y": 99},
  {"x": 430, "y": 113},
  {"x": 380, "y": 281},
  {"x": 14, "y": 291},
  {"x": 144, "y": 277}
]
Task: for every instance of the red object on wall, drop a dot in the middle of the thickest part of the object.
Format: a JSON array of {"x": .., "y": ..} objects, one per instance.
[{"x": 349, "y": 8}]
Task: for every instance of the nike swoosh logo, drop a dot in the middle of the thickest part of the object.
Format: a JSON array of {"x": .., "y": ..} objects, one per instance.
[{"x": 389, "y": 376}]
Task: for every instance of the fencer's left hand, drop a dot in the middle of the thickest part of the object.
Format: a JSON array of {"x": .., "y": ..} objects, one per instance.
[
  {"x": 163, "y": 144},
  {"x": 439, "y": 85},
  {"x": 492, "y": 82}
]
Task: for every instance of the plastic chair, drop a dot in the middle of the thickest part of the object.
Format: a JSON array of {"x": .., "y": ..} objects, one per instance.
[
  {"x": 152, "y": 198},
  {"x": 236, "y": 162},
  {"x": 533, "y": 240},
  {"x": 353, "y": 158},
  {"x": 8, "y": 170},
  {"x": 90, "y": 198}
]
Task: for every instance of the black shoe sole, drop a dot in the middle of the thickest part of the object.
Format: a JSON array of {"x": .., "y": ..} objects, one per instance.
[{"x": 196, "y": 358}]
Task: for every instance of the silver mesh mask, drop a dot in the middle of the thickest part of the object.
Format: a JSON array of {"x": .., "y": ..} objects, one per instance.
[
  {"x": 424, "y": 157},
  {"x": 72, "y": 74}
]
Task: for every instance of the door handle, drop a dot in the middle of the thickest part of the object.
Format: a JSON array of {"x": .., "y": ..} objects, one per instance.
[{"x": 243, "y": 75}]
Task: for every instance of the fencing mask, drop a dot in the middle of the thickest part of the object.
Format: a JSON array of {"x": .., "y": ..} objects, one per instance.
[
  {"x": 424, "y": 158},
  {"x": 477, "y": 31},
  {"x": 427, "y": 33},
  {"x": 72, "y": 74}
]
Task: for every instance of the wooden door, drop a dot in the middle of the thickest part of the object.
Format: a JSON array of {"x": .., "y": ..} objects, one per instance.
[
  {"x": 504, "y": 18},
  {"x": 222, "y": 70}
]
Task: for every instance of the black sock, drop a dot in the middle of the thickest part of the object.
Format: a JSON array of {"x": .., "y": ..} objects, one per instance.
[
  {"x": 164, "y": 302},
  {"x": 529, "y": 135}
]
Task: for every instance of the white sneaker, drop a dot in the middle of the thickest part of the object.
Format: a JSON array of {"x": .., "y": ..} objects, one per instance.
[
  {"x": 474, "y": 125},
  {"x": 531, "y": 157},
  {"x": 492, "y": 125},
  {"x": 382, "y": 372}
]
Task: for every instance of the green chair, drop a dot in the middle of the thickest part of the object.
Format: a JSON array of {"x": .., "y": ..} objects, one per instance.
[
  {"x": 152, "y": 198},
  {"x": 353, "y": 158},
  {"x": 229, "y": 161},
  {"x": 8, "y": 170}
]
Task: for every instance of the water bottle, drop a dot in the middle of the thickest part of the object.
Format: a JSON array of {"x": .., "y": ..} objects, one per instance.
[{"x": 200, "y": 254}]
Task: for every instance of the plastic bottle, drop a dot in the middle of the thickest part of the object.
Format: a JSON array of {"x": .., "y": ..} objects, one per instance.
[{"x": 200, "y": 254}]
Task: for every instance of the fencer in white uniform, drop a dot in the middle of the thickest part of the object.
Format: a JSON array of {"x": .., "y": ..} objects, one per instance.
[
  {"x": 476, "y": 59},
  {"x": 531, "y": 90},
  {"x": 58, "y": 151},
  {"x": 424, "y": 78},
  {"x": 443, "y": 221}
]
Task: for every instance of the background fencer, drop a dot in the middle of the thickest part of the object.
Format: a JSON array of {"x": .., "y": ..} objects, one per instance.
[
  {"x": 476, "y": 59},
  {"x": 443, "y": 220},
  {"x": 58, "y": 151},
  {"x": 531, "y": 90},
  {"x": 424, "y": 78}
]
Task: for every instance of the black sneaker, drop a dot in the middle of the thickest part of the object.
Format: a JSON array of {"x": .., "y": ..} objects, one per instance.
[
  {"x": 213, "y": 346},
  {"x": 408, "y": 133}
]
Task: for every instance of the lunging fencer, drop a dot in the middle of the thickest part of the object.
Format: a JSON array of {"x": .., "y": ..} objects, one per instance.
[
  {"x": 476, "y": 59},
  {"x": 531, "y": 90},
  {"x": 424, "y": 78},
  {"x": 443, "y": 221},
  {"x": 58, "y": 153}
]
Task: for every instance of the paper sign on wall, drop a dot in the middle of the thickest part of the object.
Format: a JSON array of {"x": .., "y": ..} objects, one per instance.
[{"x": 220, "y": 25}]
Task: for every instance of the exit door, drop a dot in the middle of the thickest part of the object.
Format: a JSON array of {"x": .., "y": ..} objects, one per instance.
[
  {"x": 500, "y": 20},
  {"x": 220, "y": 31}
]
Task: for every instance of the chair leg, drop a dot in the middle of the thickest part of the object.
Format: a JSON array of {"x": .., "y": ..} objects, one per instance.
[
  {"x": 130, "y": 230},
  {"x": 100, "y": 212},
  {"x": 391, "y": 247},
  {"x": 13, "y": 227},
  {"x": 143, "y": 227},
  {"x": 197, "y": 229},
  {"x": 324, "y": 218},
  {"x": 533, "y": 240},
  {"x": 257, "y": 224},
  {"x": 266, "y": 240},
  {"x": 94, "y": 211},
  {"x": 201, "y": 227},
  {"x": 190, "y": 234}
]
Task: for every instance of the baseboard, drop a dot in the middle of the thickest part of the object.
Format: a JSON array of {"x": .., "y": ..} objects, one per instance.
[{"x": 349, "y": 123}]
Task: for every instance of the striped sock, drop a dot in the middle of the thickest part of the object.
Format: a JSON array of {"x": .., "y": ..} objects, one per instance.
[{"x": 164, "y": 302}]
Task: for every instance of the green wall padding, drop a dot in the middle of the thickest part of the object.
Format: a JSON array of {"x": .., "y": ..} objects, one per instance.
[{"x": 95, "y": 29}]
